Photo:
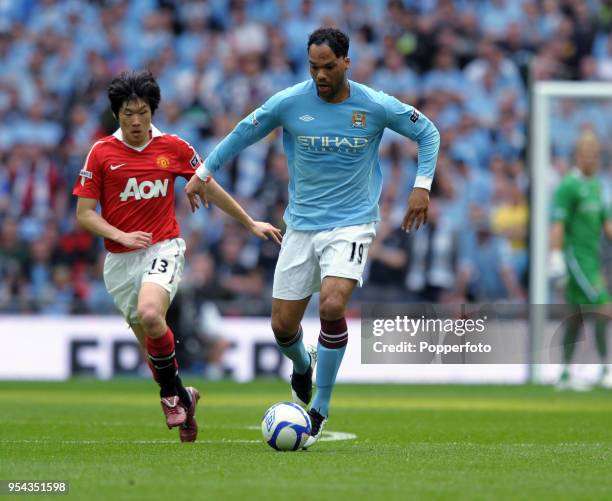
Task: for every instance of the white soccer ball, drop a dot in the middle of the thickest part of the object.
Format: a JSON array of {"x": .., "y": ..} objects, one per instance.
[{"x": 285, "y": 426}]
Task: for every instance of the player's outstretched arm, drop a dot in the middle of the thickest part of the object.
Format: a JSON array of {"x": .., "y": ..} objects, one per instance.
[
  {"x": 89, "y": 219},
  {"x": 608, "y": 229},
  {"x": 213, "y": 192},
  {"x": 249, "y": 130}
]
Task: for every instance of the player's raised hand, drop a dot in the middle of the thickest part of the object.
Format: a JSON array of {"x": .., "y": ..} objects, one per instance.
[
  {"x": 136, "y": 239},
  {"x": 196, "y": 188},
  {"x": 416, "y": 215},
  {"x": 266, "y": 231}
]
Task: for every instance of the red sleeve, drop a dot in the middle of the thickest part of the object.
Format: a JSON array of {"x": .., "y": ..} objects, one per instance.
[
  {"x": 89, "y": 181},
  {"x": 189, "y": 160}
]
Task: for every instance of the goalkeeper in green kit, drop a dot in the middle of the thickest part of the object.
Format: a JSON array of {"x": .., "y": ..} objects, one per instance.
[{"x": 579, "y": 217}]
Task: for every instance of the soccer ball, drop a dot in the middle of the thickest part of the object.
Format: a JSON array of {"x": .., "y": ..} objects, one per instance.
[{"x": 285, "y": 427}]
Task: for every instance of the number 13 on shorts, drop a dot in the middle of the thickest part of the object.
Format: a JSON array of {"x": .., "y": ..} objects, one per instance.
[{"x": 158, "y": 266}]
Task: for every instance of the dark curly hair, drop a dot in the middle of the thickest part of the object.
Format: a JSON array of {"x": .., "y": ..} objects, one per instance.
[
  {"x": 337, "y": 41},
  {"x": 130, "y": 86}
]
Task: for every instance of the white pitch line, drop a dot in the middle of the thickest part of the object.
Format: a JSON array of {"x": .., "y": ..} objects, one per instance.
[
  {"x": 327, "y": 436},
  {"x": 336, "y": 436}
]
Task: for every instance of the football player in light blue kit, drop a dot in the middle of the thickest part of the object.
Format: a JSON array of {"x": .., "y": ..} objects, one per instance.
[{"x": 332, "y": 128}]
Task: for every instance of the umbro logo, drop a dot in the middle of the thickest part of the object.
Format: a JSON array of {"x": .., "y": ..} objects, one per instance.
[
  {"x": 115, "y": 167},
  {"x": 254, "y": 120},
  {"x": 306, "y": 118}
]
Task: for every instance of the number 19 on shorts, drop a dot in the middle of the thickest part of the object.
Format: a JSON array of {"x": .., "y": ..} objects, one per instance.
[{"x": 356, "y": 253}]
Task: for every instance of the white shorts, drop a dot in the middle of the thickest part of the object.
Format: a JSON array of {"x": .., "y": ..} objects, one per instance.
[
  {"x": 306, "y": 257},
  {"x": 125, "y": 272}
]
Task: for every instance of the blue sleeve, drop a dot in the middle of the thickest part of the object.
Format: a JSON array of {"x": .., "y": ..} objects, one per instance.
[
  {"x": 249, "y": 130},
  {"x": 409, "y": 122}
]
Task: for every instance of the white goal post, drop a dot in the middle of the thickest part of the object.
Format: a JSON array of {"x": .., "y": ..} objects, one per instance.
[{"x": 540, "y": 164}]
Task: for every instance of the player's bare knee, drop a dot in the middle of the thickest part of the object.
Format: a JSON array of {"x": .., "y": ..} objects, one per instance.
[
  {"x": 331, "y": 308},
  {"x": 151, "y": 320},
  {"x": 283, "y": 327}
]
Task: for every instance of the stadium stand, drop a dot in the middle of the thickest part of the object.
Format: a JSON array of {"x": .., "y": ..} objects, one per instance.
[{"x": 466, "y": 63}]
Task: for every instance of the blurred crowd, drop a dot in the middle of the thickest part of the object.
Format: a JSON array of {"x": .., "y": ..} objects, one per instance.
[{"x": 467, "y": 64}]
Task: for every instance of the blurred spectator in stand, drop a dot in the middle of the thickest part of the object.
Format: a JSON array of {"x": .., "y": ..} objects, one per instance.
[
  {"x": 486, "y": 271},
  {"x": 236, "y": 265},
  {"x": 435, "y": 250},
  {"x": 196, "y": 321},
  {"x": 387, "y": 258},
  {"x": 510, "y": 219}
]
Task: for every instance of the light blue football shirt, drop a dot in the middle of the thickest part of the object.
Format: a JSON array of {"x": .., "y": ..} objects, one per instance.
[{"x": 335, "y": 178}]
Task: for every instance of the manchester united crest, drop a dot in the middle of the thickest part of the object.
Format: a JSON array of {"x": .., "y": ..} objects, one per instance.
[
  {"x": 163, "y": 162},
  {"x": 359, "y": 119}
]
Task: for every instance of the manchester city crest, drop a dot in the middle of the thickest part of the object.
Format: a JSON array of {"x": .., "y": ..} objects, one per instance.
[{"x": 359, "y": 119}]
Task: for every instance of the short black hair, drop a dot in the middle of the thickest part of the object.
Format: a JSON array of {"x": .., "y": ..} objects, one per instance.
[
  {"x": 337, "y": 41},
  {"x": 133, "y": 85}
]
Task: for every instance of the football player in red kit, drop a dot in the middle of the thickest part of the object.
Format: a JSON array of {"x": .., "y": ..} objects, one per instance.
[{"x": 131, "y": 174}]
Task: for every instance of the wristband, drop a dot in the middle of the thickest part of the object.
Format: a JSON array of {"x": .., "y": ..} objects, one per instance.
[
  {"x": 423, "y": 182},
  {"x": 203, "y": 173}
]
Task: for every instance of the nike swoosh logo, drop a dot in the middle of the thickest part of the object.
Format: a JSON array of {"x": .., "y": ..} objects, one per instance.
[{"x": 115, "y": 167}]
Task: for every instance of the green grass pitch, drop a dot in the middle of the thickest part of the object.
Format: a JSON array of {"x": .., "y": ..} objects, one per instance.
[{"x": 109, "y": 441}]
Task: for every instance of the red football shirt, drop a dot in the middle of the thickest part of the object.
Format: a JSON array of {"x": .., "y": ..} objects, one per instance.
[{"x": 135, "y": 186}]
